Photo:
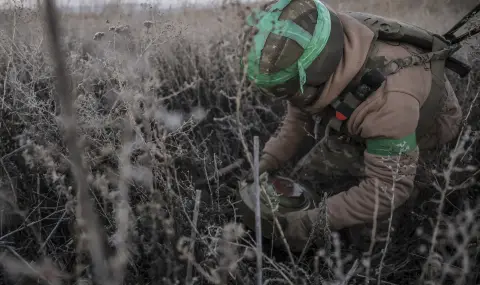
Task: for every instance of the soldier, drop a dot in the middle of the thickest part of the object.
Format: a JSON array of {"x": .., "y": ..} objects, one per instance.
[{"x": 372, "y": 104}]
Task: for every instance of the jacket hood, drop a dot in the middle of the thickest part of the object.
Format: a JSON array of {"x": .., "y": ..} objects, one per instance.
[{"x": 357, "y": 42}]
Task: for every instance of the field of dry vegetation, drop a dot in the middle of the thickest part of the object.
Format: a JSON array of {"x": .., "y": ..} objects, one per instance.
[{"x": 161, "y": 104}]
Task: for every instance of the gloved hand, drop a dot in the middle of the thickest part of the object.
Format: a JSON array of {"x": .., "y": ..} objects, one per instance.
[
  {"x": 264, "y": 166},
  {"x": 304, "y": 228}
]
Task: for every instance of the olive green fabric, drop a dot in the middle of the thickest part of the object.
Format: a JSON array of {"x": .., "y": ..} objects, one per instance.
[{"x": 333, "y": 156}]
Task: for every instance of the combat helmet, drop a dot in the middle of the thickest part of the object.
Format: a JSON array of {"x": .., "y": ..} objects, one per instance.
[{"x": 295, "y": 44}]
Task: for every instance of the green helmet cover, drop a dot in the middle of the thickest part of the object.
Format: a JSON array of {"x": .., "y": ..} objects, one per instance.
[{"x": 268, "y": 22}]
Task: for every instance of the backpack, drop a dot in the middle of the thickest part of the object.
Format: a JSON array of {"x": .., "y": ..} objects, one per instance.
[{"x": 439, "y": 53}]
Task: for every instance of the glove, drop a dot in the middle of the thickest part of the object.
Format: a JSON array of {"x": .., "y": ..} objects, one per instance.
[
  {"x": 263, "y": 166},
  {"x": 304, "y": 228}
]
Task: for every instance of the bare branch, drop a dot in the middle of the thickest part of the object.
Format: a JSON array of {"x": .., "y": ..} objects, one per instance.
[
  {"x": 193, "y": 235},
  {"x": 258, "y": 219},
  {"x": 86, "y": 216}
]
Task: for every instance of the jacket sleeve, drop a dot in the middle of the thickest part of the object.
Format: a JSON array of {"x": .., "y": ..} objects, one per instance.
[
  {"x": 284, "y": 144},
  {"x": 388, "y": 125}
]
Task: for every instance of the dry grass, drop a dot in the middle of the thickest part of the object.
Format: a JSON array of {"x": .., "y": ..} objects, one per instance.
[{"x": 161, "y": 104}]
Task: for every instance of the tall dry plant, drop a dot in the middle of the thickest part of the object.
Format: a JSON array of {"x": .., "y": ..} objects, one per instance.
[{"x": 156, "y": 102}]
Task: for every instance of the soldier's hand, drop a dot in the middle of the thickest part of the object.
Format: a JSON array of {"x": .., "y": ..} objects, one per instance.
[
  {"x": 301, "y": 231},
  {"x": 264, "y": 166},
  {"x": 297, "y": 229}
]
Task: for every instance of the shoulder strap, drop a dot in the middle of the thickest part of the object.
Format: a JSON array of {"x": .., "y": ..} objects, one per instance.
[
  {"x": 433, "y": 104},
  {"x": 373, "y": 77},
  {"x": 377, "y": 69}
]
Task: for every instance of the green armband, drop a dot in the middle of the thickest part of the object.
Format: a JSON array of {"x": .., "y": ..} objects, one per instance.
[{"x": 388, "y": 147}]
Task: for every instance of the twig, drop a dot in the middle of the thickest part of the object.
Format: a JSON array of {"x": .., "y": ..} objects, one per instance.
[
  {"x": 53, "y": 231},
  {"x": 28, "y": 225},
  {"x": 466, "y": 119},
  {"x": 193, "y": 235},
  {"x": 26, "y": 266},
  {"x": 85, "y": 212},
  {"x": 258, "y": 221},
  {"x": 10, "y": 58},
  {"x": 238, "y": 103},
  {"x": 374, "y": 232},
  {"x": 122, "y": 210},
  {"x": 222, "y": 171},
  {"x": 447, "y": 176},
  {"x": 188, "y": 86},
  {"x": 372, "y": 279},
  {"x": 13, "y": 152},
  {"x": 270, "y": 261},
  {"x": 395, "y": 177},
  {"x": 351, "y": 272}
]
